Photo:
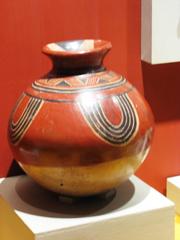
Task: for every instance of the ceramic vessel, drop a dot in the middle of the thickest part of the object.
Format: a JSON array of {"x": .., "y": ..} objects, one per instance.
[{"x": 81, "y": 130}]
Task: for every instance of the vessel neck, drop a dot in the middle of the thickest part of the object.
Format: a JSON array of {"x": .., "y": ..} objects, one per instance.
[
  {"x": 77, "y": 57},
  {"x": 59, "y": 72}
]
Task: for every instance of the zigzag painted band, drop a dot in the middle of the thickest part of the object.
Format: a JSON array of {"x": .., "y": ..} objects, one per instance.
[
  {"x": 121, "y": 133},
  {"x": 78, "y": 90},
  {"x": 19, "y": 128}
]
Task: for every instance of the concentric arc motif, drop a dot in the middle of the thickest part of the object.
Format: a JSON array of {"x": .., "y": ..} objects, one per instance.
[
  {"x": 19, "y": 128},
  {"x": 121, "y": 133}
]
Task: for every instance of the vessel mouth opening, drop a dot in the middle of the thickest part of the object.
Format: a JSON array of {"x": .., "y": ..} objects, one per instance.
[{"x": 72, "y": 47}]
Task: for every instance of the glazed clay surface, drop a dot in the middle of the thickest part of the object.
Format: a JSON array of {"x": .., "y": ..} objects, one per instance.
[{"x": 82, "y": 129}]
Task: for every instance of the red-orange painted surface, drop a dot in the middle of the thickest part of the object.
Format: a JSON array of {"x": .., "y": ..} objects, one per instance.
[
  {"x": 25, "y": 26},
  {"x": 60, "y": 133}
]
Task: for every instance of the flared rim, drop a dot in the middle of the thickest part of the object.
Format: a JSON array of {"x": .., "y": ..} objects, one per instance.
[{"x": 76, "y": 47}]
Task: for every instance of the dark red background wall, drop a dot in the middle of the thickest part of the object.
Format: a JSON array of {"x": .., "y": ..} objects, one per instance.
[{"x": 25, "y": 26}]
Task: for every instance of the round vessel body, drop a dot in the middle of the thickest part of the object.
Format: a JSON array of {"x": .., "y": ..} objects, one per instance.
[{"x": 80, "y": 134}]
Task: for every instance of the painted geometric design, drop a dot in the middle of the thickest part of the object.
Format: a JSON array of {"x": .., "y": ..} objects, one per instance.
[
  {"x": 77, "y": 84},
  {"x": 63, "y": 84},
  {"x": 101, "y": 80},
  {"x": 121, "y": 133},
  {"x": 19, "y": 128},
  {"x": 94, "y": 80}
]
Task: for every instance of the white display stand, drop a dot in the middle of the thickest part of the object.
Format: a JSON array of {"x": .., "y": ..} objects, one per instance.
[
  {"x": 136, "y": 212},
  {"x": 160, "y": 31},
  {"x": 173, "y": 191}
]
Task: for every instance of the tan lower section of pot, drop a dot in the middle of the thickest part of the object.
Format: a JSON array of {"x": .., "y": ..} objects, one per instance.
[{"x": 83, "y": 180}]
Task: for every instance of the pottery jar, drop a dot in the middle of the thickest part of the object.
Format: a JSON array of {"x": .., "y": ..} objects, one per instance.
[{"x": 81, "y": 129}]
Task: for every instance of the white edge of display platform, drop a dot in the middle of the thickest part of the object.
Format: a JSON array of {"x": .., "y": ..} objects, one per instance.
[
  {"x": 137, "y": 211},
  {"x": 173, "y": 191}
]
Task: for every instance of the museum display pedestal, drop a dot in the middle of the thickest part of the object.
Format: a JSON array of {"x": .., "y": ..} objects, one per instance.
[
  {"x": 173, "y": 191},
  {"x": 135, "y": 211}
]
